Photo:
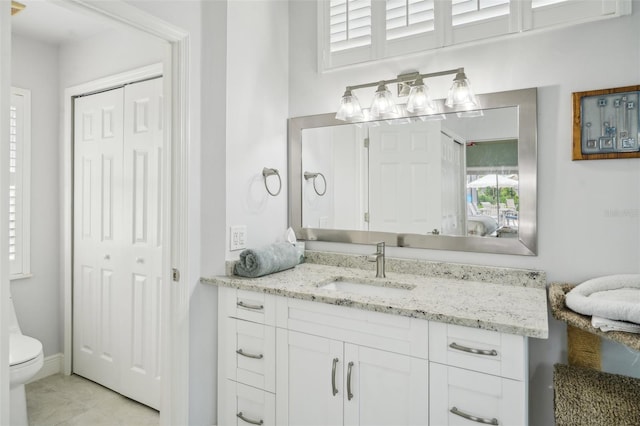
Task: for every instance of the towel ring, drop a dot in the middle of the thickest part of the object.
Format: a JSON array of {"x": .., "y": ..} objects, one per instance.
[
  {"x": 314, "y": 176},
  {"x": 266, "y": 172}
]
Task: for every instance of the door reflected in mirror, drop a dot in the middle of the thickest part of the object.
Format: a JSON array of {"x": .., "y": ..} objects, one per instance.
[{"x": 454, "y": 175}]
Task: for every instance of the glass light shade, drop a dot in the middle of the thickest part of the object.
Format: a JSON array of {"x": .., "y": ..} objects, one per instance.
[
  {"x": 383, "y": 105},
  {"x": 460, "y": 93},
  {"x": 419, "y": 99},
  {"x": 349, "y": 108}
]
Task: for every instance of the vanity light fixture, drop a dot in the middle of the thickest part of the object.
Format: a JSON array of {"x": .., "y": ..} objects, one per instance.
[
  {"x": 460, "y": 93},
  {"x": 383, "y": 105},
  {"x": 419, "y": 102},
  {"x": 419, "y": 99},
  {"x": 349, "y": 107}
]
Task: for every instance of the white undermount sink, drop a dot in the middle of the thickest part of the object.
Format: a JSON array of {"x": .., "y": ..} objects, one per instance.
[{"x": 367, "y": 289}]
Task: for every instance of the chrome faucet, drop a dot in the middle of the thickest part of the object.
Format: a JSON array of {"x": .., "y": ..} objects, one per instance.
[{"x": 378, "y": 257}]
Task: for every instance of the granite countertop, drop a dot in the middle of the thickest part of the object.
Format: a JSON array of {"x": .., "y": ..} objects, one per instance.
[{"x": 505, "y": 307}]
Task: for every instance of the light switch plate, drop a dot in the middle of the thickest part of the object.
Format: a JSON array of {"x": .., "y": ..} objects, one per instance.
[{"x": 238, "y": 237}]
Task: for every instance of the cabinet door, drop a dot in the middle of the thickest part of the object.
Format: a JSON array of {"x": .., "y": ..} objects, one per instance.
[
  {"x": 463, "y": 397},
  {"x": 308, "y": 380},
  {"x": 385, "y": 388}
]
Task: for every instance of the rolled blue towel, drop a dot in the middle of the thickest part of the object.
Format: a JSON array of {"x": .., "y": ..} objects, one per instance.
[{"x": 267, "y": 260}]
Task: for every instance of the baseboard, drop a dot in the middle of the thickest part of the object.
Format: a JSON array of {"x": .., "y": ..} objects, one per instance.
[{"x": 52, "y": 365}]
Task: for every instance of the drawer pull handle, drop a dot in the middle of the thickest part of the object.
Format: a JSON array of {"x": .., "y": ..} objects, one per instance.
[
  {"x": 248, "y": 306},
  {"x": 334, "y": 389},
  {"x": 457, "y": 412},
  {"x": 491, "y": 352},
  {"x": 349, "y": 393},
  {"x": 240, "y": 352},
  {"x": 248, "y": 420}
]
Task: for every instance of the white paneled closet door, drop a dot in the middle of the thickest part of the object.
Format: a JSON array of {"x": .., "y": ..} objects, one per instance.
[
  {"x": 98, "y": 235},
  {"x": 143, "y": 241},
  {"x": 118, "y": 239}
]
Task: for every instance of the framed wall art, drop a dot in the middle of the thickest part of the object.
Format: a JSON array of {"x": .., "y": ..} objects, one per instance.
[{"x": 605, "y": 124}]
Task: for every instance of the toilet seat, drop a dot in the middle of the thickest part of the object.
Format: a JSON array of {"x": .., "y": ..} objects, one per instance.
[{"x": 23, "y": 349}]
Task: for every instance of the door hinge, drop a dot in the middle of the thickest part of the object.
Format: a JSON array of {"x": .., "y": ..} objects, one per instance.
[
  {"x": 366, "y": 143},
  {"x": 366, "y": 217},
  {"x": 175, "y": 274}
]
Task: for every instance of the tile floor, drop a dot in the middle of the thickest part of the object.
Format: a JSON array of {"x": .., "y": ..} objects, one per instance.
[{"x": 73, "y": 400}]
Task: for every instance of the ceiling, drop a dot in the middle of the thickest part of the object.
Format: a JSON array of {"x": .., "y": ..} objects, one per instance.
[{"x": 53, "y": 23}]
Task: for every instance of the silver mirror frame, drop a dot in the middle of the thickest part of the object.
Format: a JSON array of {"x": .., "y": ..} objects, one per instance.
[{"x": 525, "y": 244}]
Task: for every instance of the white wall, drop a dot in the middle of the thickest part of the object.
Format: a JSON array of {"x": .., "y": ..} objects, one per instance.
[
  {"x": 36, "y": 298},
  {"x": 257, "y": 109},
  {"x": 106, "y": 54},
  {"x": 588, "y": 212}
]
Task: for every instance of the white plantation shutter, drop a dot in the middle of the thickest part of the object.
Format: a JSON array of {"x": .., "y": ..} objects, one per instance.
[
  {"x": 467, "y": 11},
  {"x": 19, "y": 182},
  {"x": 354, "y": 31},
  {"x": 408, "y": 18},
  {"x": 546, "y": 13},
  {"x": 349, "y": 23},
  {"x": 541, "y": 3}
]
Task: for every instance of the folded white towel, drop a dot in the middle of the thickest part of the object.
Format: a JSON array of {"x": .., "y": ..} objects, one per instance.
[
  {"x": 605, "y": 324},
  {"x": 615, "y": 297}
]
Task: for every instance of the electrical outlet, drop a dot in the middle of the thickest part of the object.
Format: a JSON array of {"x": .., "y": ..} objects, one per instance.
[{"x": 238, "y": 238}]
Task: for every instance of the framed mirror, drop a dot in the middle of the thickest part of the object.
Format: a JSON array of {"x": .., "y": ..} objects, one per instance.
[{"x": 455, "y": 180}]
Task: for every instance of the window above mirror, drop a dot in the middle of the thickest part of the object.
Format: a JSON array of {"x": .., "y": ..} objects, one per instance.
[{"x": 355, "y": 31}]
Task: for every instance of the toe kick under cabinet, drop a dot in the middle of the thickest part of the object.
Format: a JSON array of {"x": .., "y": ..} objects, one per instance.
[{"x": 285, "y": 361}]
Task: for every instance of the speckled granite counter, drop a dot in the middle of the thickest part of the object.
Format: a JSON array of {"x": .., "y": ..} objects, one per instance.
[{"x": 519, "y": 308}]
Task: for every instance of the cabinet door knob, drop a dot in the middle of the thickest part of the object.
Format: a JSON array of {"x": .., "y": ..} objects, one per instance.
[
  {"x": 248, "y": 420},
  {"x": 140, "y": 260},
  {"x": 458, "y": 347},
  {"x": 482, "y": 420},
  {"x": 107, "y": 257},
  {"x": 334, "y": 389}
]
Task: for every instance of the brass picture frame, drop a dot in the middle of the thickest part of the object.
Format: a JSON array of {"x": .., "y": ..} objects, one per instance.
[{"x": 606, "y": 124}]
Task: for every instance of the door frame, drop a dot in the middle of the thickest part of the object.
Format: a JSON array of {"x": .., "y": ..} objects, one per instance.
[{"x": 174, "y": 327}]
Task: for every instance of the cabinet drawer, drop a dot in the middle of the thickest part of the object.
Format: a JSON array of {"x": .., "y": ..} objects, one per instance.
[
  {"x": 249, "y": 305},
  {"x": 251, "y": 353},
  {"x": 246, "y": 406},
  {"x": 479, "y": 350},
  {"x": 463, "y": 397},
  {"x": 393, "y": 333}
]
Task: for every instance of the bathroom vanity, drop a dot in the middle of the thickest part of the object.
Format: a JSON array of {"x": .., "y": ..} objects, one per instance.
[{"x": 327, "y": 345}]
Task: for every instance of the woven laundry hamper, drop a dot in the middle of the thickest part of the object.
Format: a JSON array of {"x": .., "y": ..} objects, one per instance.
[{"x": 584, "y": 396}]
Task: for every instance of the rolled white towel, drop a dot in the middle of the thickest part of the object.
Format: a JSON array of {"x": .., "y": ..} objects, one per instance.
[
  {"x": 615, "y": 297},
  {"x": 605, "y": 324}
]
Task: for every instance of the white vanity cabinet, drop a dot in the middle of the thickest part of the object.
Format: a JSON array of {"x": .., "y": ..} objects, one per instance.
[{"x": 288, "y": 361}]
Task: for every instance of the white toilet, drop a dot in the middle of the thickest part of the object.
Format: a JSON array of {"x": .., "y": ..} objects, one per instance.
[{"x": 25, "y": 360}]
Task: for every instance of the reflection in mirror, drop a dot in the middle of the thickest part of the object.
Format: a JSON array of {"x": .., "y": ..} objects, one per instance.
[
  {"x": 417, "y": 181},
  {"x": 438, "y": 177}
]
